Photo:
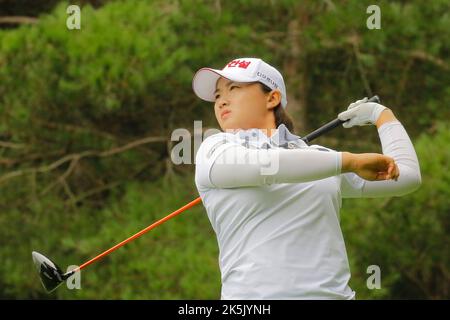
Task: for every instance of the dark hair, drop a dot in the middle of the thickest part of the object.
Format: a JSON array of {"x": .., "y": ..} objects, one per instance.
[{"x": 281, "y": 116}]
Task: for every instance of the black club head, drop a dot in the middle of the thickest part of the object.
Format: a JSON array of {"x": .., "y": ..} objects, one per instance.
[{"x": 50, "y": 274}]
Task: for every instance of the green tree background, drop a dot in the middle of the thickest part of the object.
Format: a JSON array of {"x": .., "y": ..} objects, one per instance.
[{"x": 86, "y": 118}]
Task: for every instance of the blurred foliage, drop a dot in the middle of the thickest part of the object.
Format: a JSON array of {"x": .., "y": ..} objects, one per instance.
[
  {"x": 407, "y": 237},
  {"x": 86, "y": 118},
  {"x": 176, "y": 260}
]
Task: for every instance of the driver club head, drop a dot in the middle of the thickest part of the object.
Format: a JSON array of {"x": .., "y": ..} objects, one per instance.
[{"x": 50, "y": 274}]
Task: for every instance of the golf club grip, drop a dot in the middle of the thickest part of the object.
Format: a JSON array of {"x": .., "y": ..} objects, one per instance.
[{"x": 331, "y": 125}]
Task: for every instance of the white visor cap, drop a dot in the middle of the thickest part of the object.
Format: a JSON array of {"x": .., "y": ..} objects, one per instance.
[{"x": 239, "y": 70}]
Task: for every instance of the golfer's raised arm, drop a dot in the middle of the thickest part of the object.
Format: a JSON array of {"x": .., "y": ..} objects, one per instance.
[{"x": 395, "y": 143}]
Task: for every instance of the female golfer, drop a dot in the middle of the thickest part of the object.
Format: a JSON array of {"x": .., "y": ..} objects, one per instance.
[{"x": 274, "y": 201}]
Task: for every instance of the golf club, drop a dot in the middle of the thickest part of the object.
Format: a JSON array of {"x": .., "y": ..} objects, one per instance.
[
  {"x": 52, "y": 276},
  {"x": 331, "y": 125}
]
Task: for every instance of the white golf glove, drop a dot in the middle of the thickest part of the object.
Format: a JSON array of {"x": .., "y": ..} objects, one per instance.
[{"x": 361, "y": 113}]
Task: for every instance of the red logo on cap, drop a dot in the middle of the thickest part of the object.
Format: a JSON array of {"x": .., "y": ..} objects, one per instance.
[{"x": 239, "y": 63}]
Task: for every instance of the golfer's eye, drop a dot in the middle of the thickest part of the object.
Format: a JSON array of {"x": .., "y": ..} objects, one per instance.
[
  {"x": 217, "y": 96},
  {"x": 233, "y": 87}
]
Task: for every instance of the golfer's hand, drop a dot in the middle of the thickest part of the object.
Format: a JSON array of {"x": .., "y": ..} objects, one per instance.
[
  {"x": 370, "y": 166},
  {"x": 361, "y": 113}
]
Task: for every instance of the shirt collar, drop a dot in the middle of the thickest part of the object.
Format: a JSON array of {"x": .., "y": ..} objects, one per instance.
[{"x": 282, "y": 137}]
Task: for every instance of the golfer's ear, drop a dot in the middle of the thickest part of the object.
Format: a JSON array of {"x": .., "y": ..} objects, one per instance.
[{"x": 273, "y": 99}]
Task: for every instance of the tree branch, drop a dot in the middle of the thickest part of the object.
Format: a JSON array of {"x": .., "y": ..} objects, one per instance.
[
  {"x": 78, "y": 156},
  {"x": 73, "y": 128},
  {"x": 108, "y": 186},
  {"x": 18, "y": 20},
  {"x": 79, "y": 129},
  {"x": 94, "y": 191},
  {"x": 362, "y": 72},
  {"x": 62, "y": 179},
  {"x": 31, "y": 157},
  {"x": 422, "y": 55},
  {"x": 6, "y": 144}
]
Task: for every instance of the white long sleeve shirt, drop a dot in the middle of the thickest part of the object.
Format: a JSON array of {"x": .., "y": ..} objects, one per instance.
[{"x": 274, "y": 205}]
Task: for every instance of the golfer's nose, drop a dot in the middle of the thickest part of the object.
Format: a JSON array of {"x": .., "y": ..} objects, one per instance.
[{"x": 222, "y": 102}]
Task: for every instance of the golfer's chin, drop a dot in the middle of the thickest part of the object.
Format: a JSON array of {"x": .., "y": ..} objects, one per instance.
[{"x": 228, "y": 125}]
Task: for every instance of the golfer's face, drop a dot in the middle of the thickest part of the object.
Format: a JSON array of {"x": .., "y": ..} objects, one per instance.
[{"x": 244, "y": 104}]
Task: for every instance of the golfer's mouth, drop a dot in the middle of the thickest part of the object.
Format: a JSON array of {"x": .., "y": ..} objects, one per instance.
[{"x": 225, "y": 114}]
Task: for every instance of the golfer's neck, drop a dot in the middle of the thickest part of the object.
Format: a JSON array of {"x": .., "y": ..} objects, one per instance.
[
  {"x": 269, "y": 132},
  {"x": 269, "y": 129}
]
